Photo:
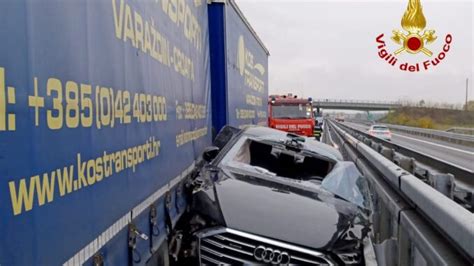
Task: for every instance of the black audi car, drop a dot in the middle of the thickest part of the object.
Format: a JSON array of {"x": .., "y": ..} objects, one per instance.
[{"x": 263, "y": 196}]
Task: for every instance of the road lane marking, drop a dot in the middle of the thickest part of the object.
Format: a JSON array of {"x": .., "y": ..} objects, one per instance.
[
  {"x": 424, "y": 141},
  {"x": 435, "y": 144}
]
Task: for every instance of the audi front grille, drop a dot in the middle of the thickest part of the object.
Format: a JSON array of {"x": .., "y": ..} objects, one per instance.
[{"x": 225, "y": 246}]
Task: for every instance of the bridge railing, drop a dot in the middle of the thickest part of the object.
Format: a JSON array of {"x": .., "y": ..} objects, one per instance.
[
  {"x": 357, "y": 102},
  {"x": 413, "y": 222}
]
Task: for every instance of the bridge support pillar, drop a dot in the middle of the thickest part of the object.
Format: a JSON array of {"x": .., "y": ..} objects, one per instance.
[
  {"x": 318, "y": 110},
  {"x": 369, "y": 116}
]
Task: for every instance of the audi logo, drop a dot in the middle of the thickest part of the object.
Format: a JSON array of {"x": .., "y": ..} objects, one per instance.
[{"x": 269, "y": 255}]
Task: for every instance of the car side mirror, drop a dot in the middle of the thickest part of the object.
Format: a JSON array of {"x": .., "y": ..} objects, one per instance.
[{"x": 210, "y": 153}]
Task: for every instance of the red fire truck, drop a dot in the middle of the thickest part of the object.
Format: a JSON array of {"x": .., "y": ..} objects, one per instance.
[{"x": 292, "y": 114}]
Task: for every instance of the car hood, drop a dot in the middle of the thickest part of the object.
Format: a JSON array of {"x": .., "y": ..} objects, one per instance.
[{"x": 285, "y": 213}]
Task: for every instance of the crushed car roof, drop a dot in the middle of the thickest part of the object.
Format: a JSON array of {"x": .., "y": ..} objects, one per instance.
[{"x": 309, "y": 143}]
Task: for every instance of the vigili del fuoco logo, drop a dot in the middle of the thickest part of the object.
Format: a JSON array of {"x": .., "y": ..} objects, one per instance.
[{"x": 413, "y": 40}]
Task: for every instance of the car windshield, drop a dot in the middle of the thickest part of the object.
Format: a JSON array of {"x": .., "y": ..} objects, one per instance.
[
  {"x": 380, "y": 128},
  {"x": 291, "y": 111},
  {"x": 345, "y": 181},
  {"x": 276, "y": 158},
  {"x": 274, "y": 162}
]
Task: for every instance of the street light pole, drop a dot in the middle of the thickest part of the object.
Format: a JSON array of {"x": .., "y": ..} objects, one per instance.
[{"x": 467, "y": 89}]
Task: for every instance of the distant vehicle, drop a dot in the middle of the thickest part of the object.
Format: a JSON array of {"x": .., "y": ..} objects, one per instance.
[
  {"x": 380, "y": 131},
  {"x": 266, "y": 197},
  {"x": 291, "y": 114},
  {"x": 319, "y": 120},
  {"x": 340, "y": 119}
]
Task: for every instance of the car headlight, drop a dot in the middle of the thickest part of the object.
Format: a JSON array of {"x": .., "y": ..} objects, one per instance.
[{"x": 350, "y": 250}]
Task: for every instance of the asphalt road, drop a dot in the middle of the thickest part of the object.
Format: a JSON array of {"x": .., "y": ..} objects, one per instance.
[{"x": 455, "y": 154}]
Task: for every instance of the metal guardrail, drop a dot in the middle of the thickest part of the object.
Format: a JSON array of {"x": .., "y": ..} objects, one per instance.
[
  {"x": 454, "y": 181},
  {"x": 413, "y": 222},
  {"x": 356, "y": 101},
  {"x": 461, "y": 130},
  {"x": 435, "y": 134},
  {"x": 453, "y": 137},
  {"x": 354, "y": 104}
]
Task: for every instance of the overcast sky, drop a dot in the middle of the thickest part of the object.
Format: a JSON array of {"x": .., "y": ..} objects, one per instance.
[{"x": 327, "y": 49}]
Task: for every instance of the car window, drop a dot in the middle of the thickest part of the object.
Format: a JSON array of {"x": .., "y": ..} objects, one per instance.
[
  {"x": 224, "y": 136},
  {"x": 291, "y": 111},
  {"x": 380, "y": 128}
]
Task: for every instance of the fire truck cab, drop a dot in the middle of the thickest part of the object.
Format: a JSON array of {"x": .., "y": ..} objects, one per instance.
[{"x": 292, "y": 114}]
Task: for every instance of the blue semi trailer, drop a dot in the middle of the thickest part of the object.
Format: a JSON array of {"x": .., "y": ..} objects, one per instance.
[{"x": 105, "y": 106}]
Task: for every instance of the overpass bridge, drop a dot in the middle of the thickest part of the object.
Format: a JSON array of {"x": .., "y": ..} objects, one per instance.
[{"x": 355, "y": 105}]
